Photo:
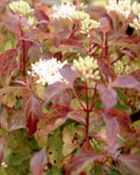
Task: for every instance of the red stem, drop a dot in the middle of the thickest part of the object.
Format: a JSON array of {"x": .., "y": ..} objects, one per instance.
[
  {"x": 77, "y": 3},
  {"x": 22, "y": 46},
  {"x": 87, "y": 114}
]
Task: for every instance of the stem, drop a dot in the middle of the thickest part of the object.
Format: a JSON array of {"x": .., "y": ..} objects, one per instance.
[
  {"x": 107, "y": 72},
  {"x": 78, "y": 98},
  {"x": 77, "y": 3},
  {"x": 87, "y": 114},
  {"x": 87, "y": 126},
  {"x": 93, "y": 101},
  {"x": 104, "y": 46},
  {"x": 22, "y": 58}
]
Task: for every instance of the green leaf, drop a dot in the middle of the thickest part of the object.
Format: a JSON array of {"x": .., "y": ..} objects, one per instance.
[
  {"x": 54, "y": 144},
  {"x": 54, "y": 171},
  {"x": 98, "y": 105},
  {"x": 136, "y": 124},
  {"x": 113, "y": 171}
]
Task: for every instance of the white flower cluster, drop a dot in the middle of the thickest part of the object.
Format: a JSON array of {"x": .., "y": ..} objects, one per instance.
[
  {"x": 21, "y": 7},
  {"x": 86, "y": 66},
  {"x": 122, "y": 7},
  {"x": 125, "y": 8},
  {"x": 136, "y": 12},
  {"x": 86, "y": 22},
  {"x": 65, "y": 11},
  {"x": 48, "y": 71}
]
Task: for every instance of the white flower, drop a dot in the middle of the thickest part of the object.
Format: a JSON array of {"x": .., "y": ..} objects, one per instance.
[
  {"x": 48, "y": 71},
  {"x": 122, "y": 7},
  {"x": 65, "y": 10}
]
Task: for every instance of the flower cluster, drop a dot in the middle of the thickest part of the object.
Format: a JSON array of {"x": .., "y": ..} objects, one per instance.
[
  {"x": 47, "y": 71},
  {"x": 86, "y": 67},
  {"x": 86, "y": 22},
  {"x": 21, "y": 7},
  {"x": 122, "y": 7},
  {"x": 136, "y": 12},
  {"x": 63, "y": 11},
  {"x": 125, "y": 8},
  {"x": 69, "y": 11}
]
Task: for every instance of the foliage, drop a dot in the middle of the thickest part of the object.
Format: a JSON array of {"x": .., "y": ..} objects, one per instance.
[{"x": 69, "y": 84}]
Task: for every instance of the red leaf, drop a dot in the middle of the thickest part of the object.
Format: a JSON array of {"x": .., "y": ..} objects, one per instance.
[
  {"x": 117, "y": 123},
  {"x": 122, "y": 118},
  {"x": 130, "y": 163},
  {"x": 38, "y": 162},
  {"x": 8, "y": 61},
  {"x": 53, "y": 119},
  {"x": 108, "y": 96},
  {"x": 31, "y": 124},
  {"x": 126, "y": 81},
  {"x": 32, "y": 112}
]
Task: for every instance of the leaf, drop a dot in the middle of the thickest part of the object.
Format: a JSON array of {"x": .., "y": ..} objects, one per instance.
[
  {"x": 1, "y": 150},
  {"x": 130, "y": 164},
  {"x": 126, "y": 81},
  {"x": 77, "y": 162},
  {"x": 112, "y": 131},
  {"x": 57, "y": 88},
  {"x": 38, "y": 162},
  {"x": 54, "y": 147},
  {"x": 72, "y": 137},
  {"x": 8, "y": 61},
  {"x": 121, "y": 116},
  {"x": 53, "y": 119},
  {"x": 54, "y": 90},
  {"x": 113, "y": 171},
  {"x": 69, "y": 75},
  {"x": 117, "y": 123},
  {"x": 77, "y": 116},
  {"x": 108, "y": 96},
  {"x": 33, "y": 113},
  {"x": 54, "y": 171}
]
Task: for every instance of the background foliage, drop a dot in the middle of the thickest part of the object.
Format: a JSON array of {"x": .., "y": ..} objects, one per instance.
[{"x": 87, "y": 126}]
